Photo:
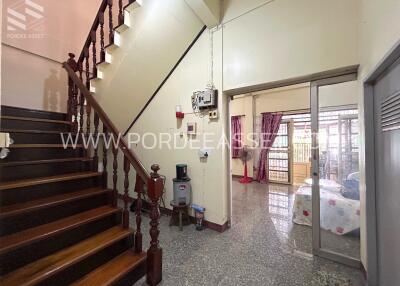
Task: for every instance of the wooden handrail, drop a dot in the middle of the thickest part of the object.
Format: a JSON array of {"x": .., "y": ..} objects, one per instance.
[{"x": 123, "y": 145}]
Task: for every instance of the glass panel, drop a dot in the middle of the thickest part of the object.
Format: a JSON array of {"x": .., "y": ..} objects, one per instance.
[{"x": 338, "y": 167}]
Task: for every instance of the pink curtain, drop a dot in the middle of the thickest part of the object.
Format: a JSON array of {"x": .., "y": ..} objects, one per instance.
[
  {"x": 269, "y": 129},
  {"x": 236, "y": 142}
]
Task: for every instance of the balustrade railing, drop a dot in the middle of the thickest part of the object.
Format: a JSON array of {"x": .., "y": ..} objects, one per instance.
[{"x": 82, "y": 106}]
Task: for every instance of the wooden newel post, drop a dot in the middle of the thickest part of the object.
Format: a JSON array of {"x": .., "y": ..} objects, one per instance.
[
  {"x": 154, "y": 254},
  {"x": 71, "y": 87}
]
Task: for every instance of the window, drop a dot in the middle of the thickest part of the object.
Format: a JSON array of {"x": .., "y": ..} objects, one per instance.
[{"x": 279, "y": 156}]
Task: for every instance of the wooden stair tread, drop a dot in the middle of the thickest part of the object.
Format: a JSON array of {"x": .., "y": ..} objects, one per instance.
[
  {"x": 112, "y": 271},
  {"x": 35, "y": 119},
  {"x": 20, "y": 208},
  {"x": 15, "y": 240},
  {"x": 46, "y": 180},
  {"x": 33, "y": 131},
  {"x": 49, "y": 161},
  {"x": 14, "y": 146},
  {"x": 48, "y": 266}
]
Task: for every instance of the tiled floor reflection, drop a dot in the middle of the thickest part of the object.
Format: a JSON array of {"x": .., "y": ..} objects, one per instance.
[
  {"x": 261, "y": 248},
  {"x": 276, "y": 202}
]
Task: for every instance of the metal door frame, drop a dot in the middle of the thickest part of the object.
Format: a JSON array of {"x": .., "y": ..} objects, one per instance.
[
  {"x": 316, "y": 226},
  {"x": 369, "y": 153}
]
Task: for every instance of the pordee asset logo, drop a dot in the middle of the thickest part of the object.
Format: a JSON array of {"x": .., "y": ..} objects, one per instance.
[{"x": 25, "y": 20}]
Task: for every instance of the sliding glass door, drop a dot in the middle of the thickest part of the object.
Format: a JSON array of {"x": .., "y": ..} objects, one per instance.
[{"x": 335, "y": 169}]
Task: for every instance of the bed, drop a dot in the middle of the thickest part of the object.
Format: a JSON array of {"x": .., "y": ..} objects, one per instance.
[{"x": 339, "y": 215}]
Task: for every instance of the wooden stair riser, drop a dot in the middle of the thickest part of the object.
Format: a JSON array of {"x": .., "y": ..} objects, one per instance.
[
  {"x": 37, "y": 138},
  {"x": 9, "y": 173},
  {"x": 13, "y": 224},
  {"x": 22, "y": 112},
  {"x": 89, "y": 264},
  {"x": 18, "y": 258},
  {"x": 133, "y": 276},
  {"x": 33, "y": 154},
  {"x": 25, "y": 194},
  {"x": 34, "y": 125},
  {"x": 125, "y": 269}
]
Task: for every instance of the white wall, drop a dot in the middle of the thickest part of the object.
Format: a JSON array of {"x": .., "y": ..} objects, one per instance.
[
  {"x": 379, "y": 32},
  {"x": 34, "y": 77},
  {"x": 161, "y": 32}
]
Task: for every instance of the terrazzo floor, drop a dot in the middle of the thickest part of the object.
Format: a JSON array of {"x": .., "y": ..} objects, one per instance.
[{"x": 262, "y": 247}]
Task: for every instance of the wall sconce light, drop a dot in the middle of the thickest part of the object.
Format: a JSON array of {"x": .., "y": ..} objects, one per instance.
[{"x": 178, "y": 112}]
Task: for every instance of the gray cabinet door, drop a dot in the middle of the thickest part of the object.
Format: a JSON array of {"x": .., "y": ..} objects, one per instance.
[{"x": 387, "y": 169}]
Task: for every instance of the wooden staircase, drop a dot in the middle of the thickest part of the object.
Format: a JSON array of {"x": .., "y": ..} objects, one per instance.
[{"x": 59, "y": 223}]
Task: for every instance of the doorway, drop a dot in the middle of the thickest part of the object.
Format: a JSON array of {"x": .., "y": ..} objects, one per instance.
[{"x": 290, "y": 188}]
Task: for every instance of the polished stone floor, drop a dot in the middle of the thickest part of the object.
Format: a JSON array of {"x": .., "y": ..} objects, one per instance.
[{"x": 262, "y": 247}]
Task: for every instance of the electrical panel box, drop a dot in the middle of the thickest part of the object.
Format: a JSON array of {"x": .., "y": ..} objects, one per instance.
[{"x": 207, "y": 99}]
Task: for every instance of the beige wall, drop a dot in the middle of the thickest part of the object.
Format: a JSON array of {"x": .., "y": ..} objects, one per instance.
[
  {"x": 285, "y": 39},
  {"x": 34, "y": 77},
  {"x": 295, "y": 97},
  {"x": 1, "y": 35},
  {"x": 243, "y": 106},
  {"x": 161, "y": 32},
  {"x": 209, "y": 177},
  {"x": 379, "y": 32},
  {"x": 39, "y": 83}
]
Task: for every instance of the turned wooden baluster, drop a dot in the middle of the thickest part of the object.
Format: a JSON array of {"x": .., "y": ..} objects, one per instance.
[
  {"x": 81, "y": 102},
  {"x": 105, "y": 149},
  {"x": 75, "y": 110},
  {"x": 96, "y": 141},
  {"x": 102, "y": 51},
  {"x": 115, "y": 175},
  {"x": 88, "y": 122},
  {"x": 70, "y": 99},
  {"x": 110, "y": 22},
  {"x": 138, "y": 236},
  {"x": 94, "y": 56},
  {"x": 125, "y": 217},
  {"x": 71, "y": 87},
  {"x": 120, "y": 13},
  {"x": 87, "y": 72},
  {"x": 154, "y": 254}
]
